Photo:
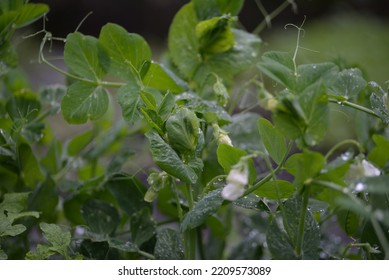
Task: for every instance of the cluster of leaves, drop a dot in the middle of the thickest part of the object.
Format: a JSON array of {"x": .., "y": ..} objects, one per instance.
[{"x": 79, "y": 206}]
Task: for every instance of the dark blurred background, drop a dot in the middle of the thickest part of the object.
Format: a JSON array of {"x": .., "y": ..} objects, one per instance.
[{"x": 151, "y": 18}]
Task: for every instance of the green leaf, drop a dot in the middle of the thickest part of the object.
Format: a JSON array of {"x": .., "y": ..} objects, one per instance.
[
  {"x": 378, "y": 100},
  {"x": 127, "y": 51},
  {"x": 228, "y": 156},
  {"x": 166, "y": 106},
  {"x": 128, "y": 192},
  {"x": 169, "y": 245},
  {"x": 280, "y": 67},
  {"x": 124, "y": 246},
  {"x": 182, "y": 41},
  {"x": 29, "y": 167},
  {"x": 23, "y": 106},
  {"x": 52, "y": 96},
  {"x": 167, "y": 159},
  {"x": 304, "y": 117},
  {"x": 44, "y": 199},
  {"x": 376, "y": 185},
  {"x": 283, "y": 231},
  {"x": 251, "y": 201},
  {"x": 243, "y": 131},
  {"x": 11, "y": 209},
  {"x": 143, "y": 226},
  {"x": 85, "y": 57},
  {"x": 278, "y": 189},
  {"x": 207, "y": 206},
  {"x": 273, "y": 140},
  {"x": 232, "y": 7},
  {"x": 160, "y": 78},
  {"x": 128, "y": 97},
  {"x": 305, "y": 166},
  {"x": 84, "y": 102},
  {"x": 79, "y": 142},
  {"x": 348, "y": 83},
  {"x": 101, "y": 217},
  {"x": 29, "y": 13},
  {"x": 3, "y": 255},
  {"x": 58, "y": 237},
  {"x": 349, "y": 221},
  {"x": 309, "y": 75},
  {"x": 380, "y": 153}
]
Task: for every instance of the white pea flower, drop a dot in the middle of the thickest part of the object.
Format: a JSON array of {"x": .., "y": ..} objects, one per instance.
[
  {"x": 220, "y": 135},
  {"x": 237, "y": 179},
  {"x": 362, "y": 169}
]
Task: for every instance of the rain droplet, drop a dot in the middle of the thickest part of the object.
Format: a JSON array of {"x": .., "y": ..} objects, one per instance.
[{"x": 360, "y": 187}]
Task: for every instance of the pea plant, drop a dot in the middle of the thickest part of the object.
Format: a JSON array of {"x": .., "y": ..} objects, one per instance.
[{"x": 227, "y": 179}]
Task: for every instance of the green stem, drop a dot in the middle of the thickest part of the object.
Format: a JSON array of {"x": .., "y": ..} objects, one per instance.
[
  {"x": 303, "y": 213},
  {"x": 268, "y": 177},
  {"x": 381, "y": 236},
  {"x": 190, "y": 235},
  {"x": 354, "y": 106},
  {"x": 147, "y": 255},
  {"x": 342, "y": 143}
]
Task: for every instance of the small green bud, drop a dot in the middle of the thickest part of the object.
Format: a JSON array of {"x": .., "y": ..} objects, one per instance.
[{"x": 183, "y": 130}]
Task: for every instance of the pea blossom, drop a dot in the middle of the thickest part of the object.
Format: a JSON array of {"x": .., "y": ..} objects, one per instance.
[{"x": 236, "y": 180}]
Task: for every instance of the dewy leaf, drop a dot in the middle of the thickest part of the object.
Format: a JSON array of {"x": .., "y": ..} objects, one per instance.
[
  {"x": 280, "y": 67},
  {"x": 348, "y": 83},
  {"x": 207, "y": 206},
  {"x": 272, "y": 139},
  {"x": 378, "y": 99},
  {"x": 228, "y": 156},
  {"x": 10, "y": 210},
  {"x": 127, "y": 51},
  {"x": 84, "y": 102},
  {"x": 143, "y": 226},
  {"x": 313, "y": 74},
  {"x": 182, "y": 41},
  {"x": 284, "y": 229},
  {"x": 128, "y": 97},
  {"x": 58, "y": 237},
  {"x": 169, "y": 246},
  {"x": 79, "y": 142},
  {"x": 128, "y": 192},
  {"x": 85, "y": 57},
  {"x": 101, "y": 217},
  {"x": 167, "y": 159}
]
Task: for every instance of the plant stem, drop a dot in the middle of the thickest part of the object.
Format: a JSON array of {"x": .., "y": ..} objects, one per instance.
[
  {"x": 303, "y": 213},
  {"x": 381, "y": 236},
  {"x": 147, "y": 255},
  {"x": 190, "y": 234},
  {"x": 342, "y": 143},
  {"x": 271, "y": 174},
  {"x": 354, "y": 106}
]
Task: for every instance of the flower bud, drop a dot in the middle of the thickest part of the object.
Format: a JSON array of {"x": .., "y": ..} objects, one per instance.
[
  {"x": 236, "y": 180},
  {"x": 183, "y": 130}
]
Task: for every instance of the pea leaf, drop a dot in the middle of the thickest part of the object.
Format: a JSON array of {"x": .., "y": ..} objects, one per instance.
[
  {"x": 29, "y": 13},
  {"x": 160, "y": 78},
  {"x": 58, "y": 237},
  {"x": 101, "y": 217},
  {"x": 283, "y": 231},
  {"x": 85, "y": 57},
  {"x": 129, "y": 100},
  {"x": 11, "y": 209},
  {"x": 168, "y": 160},
  {"x": 128, "y": 192},
  {"x": 277, "y": 189},
  {"x": 348, "y": 83},
  {"x": 305, "y": 165},
  {"x": 29, "y": 167},
  {"x": 169, "y": 245},
  {"x": 182, "y": 41},
  {"x": 380, "y": 153},
  {"x": 272, "y": 139},
  {"x": 84, "y": 102},
  {"x": 378, "y": 100},
  {"x": 143, "y": 226},
  {"x": 79, "y": 142},
  {"x": 207, "y": 206},
  {"x": 127, "y": 51},
  {"x": 280, "y": 67},
  {"x": 228, "y": 156}
]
